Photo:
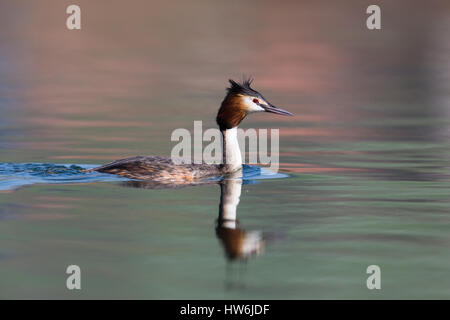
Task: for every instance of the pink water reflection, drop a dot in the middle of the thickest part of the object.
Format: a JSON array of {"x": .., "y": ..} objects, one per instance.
[{"x": 120, "y": 85}]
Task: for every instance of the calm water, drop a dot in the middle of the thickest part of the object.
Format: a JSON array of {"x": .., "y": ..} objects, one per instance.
[{"x": 367, "y": 154}]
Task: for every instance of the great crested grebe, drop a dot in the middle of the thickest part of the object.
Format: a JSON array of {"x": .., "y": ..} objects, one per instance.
[{"x": 239, "y": 101}]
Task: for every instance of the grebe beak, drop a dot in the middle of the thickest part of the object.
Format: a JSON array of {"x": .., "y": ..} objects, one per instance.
[{"x": 271, "y": 108}]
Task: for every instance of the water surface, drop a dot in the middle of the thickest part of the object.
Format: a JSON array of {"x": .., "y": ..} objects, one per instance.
[{"x": 367, "y": 153}]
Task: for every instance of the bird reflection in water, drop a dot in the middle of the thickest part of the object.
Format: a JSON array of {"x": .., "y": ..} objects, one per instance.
[{"x": 239, "y": 244}]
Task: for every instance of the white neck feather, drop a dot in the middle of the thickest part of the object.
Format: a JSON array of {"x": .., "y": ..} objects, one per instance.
[{"x": 232, "y": 152}]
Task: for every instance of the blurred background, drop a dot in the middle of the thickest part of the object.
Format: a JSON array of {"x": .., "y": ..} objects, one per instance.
[{"x": 367, "y": 150}]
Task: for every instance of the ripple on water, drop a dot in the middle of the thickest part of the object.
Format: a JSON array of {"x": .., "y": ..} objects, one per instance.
[{"x": 16, "y": 175}]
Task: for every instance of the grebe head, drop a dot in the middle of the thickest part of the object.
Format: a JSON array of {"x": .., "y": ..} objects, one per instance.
[{"x": 241, "y": 100}]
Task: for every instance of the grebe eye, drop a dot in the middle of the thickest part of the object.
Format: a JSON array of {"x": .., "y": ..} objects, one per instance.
[{"x": 255, "y": 100}]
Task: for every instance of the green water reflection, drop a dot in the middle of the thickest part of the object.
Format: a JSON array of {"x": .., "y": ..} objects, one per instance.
[{"x": 367, "y": 152}]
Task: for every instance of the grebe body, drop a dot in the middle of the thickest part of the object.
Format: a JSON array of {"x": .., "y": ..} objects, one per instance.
[{"x": 160, "y": 169}]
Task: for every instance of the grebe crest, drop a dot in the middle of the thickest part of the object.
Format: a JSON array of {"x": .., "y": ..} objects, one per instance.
[{"x": 241, "y": 99}]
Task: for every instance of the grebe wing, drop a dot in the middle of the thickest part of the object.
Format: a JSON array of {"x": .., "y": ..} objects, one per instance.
[
  {"x": 132, "y": 163},
  {"x": 157, "y": 168}
]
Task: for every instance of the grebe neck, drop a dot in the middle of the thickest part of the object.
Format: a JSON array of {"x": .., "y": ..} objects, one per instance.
[{"x": 232, "y": 158}]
